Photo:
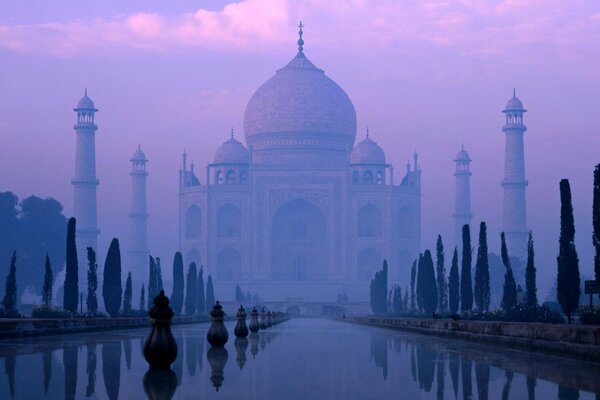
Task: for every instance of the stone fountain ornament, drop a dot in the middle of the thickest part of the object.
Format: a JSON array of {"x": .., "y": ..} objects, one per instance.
[
  {"x": 217, "y": 334},
  {"x": 241, "y": 330},
  {"x": 254, "y": 325},
  {"x": 160, "y": 348}
]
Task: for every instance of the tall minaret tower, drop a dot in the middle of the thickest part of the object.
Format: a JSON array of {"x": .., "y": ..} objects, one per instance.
[
  {"x": 462, "y": 203},
  {"x": 85, "y": 183},
  {"x": 514, "y": 214},
  {"x": 138, "y": 219}
]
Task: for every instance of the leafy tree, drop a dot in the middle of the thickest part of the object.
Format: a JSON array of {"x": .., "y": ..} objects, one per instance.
[
  {"x": 378, "y": 291},
  {"x": 9, "y": 303},
  {"x": 71, "y": 288},
  {"x": 413, "y": 276},
  {"x": 112, "y": 289},
  {"x": 143, "y": 298},
  {"x": 47, "y": 286},
  {"x": 191, "y": 297},
  {"x": 442, "y": 285},
  {"x": 482, "y": 272},
  {"x": 509, "y": 295},
  {"x": 92, "y": 275},
  {"x": 530, "y": 275},
  {"x": 429, "y": 293},
  {"x": 568, "y": 280},
  {"x": 596, "y": 221},
  {"x": 128, "y": 295},
  {"x": 210, "y": 294},
  {"x": 177, "y": 295},
  {"x": 201, "y": 305},
  {"x": 9, "y": 229},
  {"x": 453, "y": 284},
  {"x": 466, "y": 288}
]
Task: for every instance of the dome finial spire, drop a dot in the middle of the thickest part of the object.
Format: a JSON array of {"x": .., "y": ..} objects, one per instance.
[
  {"x": 300, "y": 41},
  {"x": 232, "y": 131},
  {"x": 367, "y": 132},
  {"x": 514, "y": 92},
  {"x": 85, "y": 91}
]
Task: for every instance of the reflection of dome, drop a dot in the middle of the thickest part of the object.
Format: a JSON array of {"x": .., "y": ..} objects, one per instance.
[
  {"x": 367, "y": 152},
  {"x": 232, "y": 152},
  {"x": 85, "y": 103},
  {"x": 299, "y": 108},
  {"x": 514, "y": 104},
  {"x": 138, "y": 155}
]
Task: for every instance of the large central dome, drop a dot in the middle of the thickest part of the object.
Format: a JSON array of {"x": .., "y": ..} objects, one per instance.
[{"x": 298, "y": 115}]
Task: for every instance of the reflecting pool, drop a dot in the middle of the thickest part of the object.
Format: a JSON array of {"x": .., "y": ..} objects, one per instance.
[{"x": 298, "y": 359}]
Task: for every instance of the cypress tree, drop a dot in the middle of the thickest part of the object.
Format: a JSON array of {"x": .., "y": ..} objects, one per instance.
[
  {"x": 596, "y": 222},
  {"x": 453, "y": 284},
  {"x": 530, "y": 275},
  {"x": 567, "y": 283},
  {"x": 420, "y": 283},
  {"x": 413, "y": 276},
  {"x": 201, "y": 305},
  {"x": 9, "y": 303},
  {"x": 178, "y": 285},
  {"x": 379, "y": 292},
  {"x": 112, "y": 290},
  {"x": 429, "y": 293},
  {"x": 128, "y": 295},
  {"x": 509, "y": 293},
  {"x": 191, "y": 298},
  {"x": 143, "y": 298},
  {"x": 397, "y": 306},
  {"x": 466, "y": 288},
  {"x": 482, "y": 272},
  {"x": 442, "y": 285},
  {"x": 159, "y": 281},
  {"x": 210, "y": 294},
  {"x": 152, "y": 283},
  {"x": 48, "y": 280},
  {"x": 71, "y": 287},
  {"x": 92, "y": 276},
  {"x": 406, "y": 305}
]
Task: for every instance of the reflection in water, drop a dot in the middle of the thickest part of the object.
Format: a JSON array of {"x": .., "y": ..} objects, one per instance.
[
  {"x": 127, "y": 349},
  {"x": 379, "y": 353},
  {"x": 567, "y": 393},
  {"x": 253, "y": 338},
  {"x": 191, "y": 350},
  {"x": 467, "y": 385},
  {"x": 507, "y": 384},
  {"x": 425, "y": 367},
  {"x": 160, "y": 384},
  {"x": 217, "y": 358},
  {"x": 453, "y": 366},
  {"x": 90, "y": 370},
  {"x": 200, "y": 352},
  {"x": 47, "y": 369},
  {"x": 178, "y": 363},
  {"x": 482, "y": 376},
  {"x": 241, "y": 344},
  {"x": 70, "y": 366},
  {"x": 111, "y": 368},
  {"x": 531, "y": 383},
  {"x": 441, "y": 375},
  {"x": 10, "y": 364}
]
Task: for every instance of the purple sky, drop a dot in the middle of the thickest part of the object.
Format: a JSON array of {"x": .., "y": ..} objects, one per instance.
[{"x": 422, "y": 75}]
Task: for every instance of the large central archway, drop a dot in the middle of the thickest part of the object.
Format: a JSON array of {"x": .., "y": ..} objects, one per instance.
[{"x": 298, "y": 242}]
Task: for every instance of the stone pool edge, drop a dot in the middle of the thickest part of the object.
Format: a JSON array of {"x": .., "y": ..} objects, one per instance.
[
  {"x": 24, "y": 328},
  {"x": 573, "y": 341}
]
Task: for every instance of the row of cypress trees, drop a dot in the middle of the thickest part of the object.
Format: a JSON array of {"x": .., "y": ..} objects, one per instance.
[{"x": 195, "y": 301}]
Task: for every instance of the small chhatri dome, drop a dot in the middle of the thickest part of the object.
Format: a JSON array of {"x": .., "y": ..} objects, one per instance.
[
  {"x": 85, "y": 103},
  {"x": 514, "y": 104},
  {"x": 232, "y": 152},
  {"x": 138, "y": 155},
  {"x": 367, "y": 152},
  {"x": 462, "y": 155}
]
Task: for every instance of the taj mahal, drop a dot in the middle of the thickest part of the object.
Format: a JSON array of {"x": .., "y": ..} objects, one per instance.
[{"x": 303, "y": 211}]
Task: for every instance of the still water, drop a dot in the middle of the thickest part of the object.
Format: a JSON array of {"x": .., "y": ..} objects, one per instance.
[{"x": 298, "y": 359}]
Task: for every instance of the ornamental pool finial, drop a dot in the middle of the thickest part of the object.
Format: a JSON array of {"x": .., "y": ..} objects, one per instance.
[{"x": 300, "y": 41}]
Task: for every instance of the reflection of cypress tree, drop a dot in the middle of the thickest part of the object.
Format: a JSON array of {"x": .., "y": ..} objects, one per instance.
[
  {"x": 379, "y": 353},
  {"x": 507, "y": 385},
  {"x": 453, "y": 366},
  {"x": 567, "y": 393},
  {"x": 10, "y": 364},
  {"x": 441, "y": 375},
  {"x": 531, "y": 383},
  {"x": 47, "y": 369},
  {"x": 70, "y": 367},
  {"x": 90, "y": 370},
  {"x": 200, "y": 351},
  {"x": 191, "y": 348},
  {"x": 482, "y": 376},
  {"x": 127, "y": 349},
  {"x": 426, "y": 366},
  {"x": 413, "y": 364},
  {"x": 111, "y": 368},
  {"x": 178, "y": 363},
  {"x": 467, "y": 384}
]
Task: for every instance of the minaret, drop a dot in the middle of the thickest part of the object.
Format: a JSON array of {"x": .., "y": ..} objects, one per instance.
[
  {"x": 514, "y": 214},
  {"x": 462, "y": 203},
  {"x": 84, "y": 184},
  {"x": 138, "y": 219}
]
